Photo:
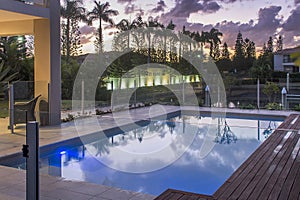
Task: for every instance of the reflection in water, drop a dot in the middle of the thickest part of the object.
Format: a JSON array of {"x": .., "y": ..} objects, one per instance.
[
  {"x": 189, "y": 172},
  {"x": 226, "y": 136},
  {"x": 269, "y": 130}
]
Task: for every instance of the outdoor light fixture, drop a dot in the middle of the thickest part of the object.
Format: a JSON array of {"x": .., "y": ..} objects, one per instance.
[{"x": 226, "y": 136}]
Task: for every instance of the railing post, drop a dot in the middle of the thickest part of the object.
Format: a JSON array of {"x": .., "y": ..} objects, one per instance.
[
  {"x": 82, "y": 97},
  {"x": 183, "y": 92},
  {"x": 11, "y": 107},
  {"x": 288, "y": 82},
  {"x": 134, "y": 93},
  {"x": 207, "y": 100},
  {"x": 258, "y": 93},
  {"x": 284, "y": 98},
  {"x": 112, "y": 96},
  {"x": 31, "y": 152}
]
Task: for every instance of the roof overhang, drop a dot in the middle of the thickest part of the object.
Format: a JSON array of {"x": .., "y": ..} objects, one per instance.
[
  {"x": 14, "y": 10},
  {"x": 8, "y": 16}
]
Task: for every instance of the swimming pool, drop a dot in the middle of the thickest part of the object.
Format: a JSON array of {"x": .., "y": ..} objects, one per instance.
[{"x": 190, "y": 172}]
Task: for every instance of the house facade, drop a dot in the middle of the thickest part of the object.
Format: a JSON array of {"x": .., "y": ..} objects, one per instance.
[
  {"x": 284, "y": 62},
  {"x": 40, "y": 18}
]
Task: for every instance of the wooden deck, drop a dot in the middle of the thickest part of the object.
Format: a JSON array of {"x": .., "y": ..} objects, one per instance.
[
  {"x": 171, "y": 194},
  {"x": 271, "y": 172}
]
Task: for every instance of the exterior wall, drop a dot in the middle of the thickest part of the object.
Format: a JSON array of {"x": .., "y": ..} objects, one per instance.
[
  {"x": 278, "y": 65},
  {"x": 44, "y": 24}
]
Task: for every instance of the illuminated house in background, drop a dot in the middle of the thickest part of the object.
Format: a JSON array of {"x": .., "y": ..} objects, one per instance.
[
  {"x": 283, "y": 61},
  {"x": 40, "y": 18}
]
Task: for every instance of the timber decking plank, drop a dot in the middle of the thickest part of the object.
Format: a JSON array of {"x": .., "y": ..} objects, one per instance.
[
  {"x": 274, "y": 193},
  {"x": 285, "y": 125},
  {"x": 267, "y": 178},
  {"x": 163, "y": 195},
  {"x": 287, "y": 186},
  {"x": 243, "y": 168},
  {"x": 295, "y": 191},
  {"x": 172, "y": 194},
  {"x": 242, "y": 180},
  {"x": 237, "y": 180},
  {"x": 273, "y": 171},
  {"x": 253, "y": 178}
]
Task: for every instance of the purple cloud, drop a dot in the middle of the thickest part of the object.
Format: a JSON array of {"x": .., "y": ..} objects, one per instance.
[
  {"x": 233, "y": 1},
  {"x": 292, "y": 23},
  {"x": 184, "y": 8},
  {"x": 291, "y": 29},
  {"x": 87, "y": 33},
  {"x": 129, "y": 8},
  {"x": 125, "y": 1},
  {"x": 297, "y": 2},
  {"x": 85, "y": 30},
  {"x": 160, "y": 7},
  {"x": 259, "y": 32}
]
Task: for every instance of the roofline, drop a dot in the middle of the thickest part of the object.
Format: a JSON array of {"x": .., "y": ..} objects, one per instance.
[{"x": 20, "y": 7}]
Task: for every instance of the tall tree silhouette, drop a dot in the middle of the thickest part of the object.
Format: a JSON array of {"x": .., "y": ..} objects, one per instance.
[
  {"x": 71, "y": 12},
  {"x": 102, "y": 13},
  {"x": 214, "y": 41}
]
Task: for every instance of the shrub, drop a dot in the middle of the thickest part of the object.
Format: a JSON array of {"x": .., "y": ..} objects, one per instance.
[
  {"x": 273, "y": 106},
  {"x": 297, "y": 107}
]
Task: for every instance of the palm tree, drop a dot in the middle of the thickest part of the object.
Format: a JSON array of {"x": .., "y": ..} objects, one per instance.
[
  {"x": 138, "y": 34},
  {"x": 151, "y": 25},
  {"x": 214, "y": 40},
  {"x": 125, "y": 26},
  {"x": 171, "y": 26},
  {"x": 102, "y": 13},
  {"x": 72, "y": 12}
]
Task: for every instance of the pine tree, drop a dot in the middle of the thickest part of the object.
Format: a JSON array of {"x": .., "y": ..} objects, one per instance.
[
  {"x": 279, "y": 44},
  {"x": 250, "y": 53},
  {"x": 249, "y": 48},
  {"x": 225, "y": 52},
  {"x": 270, "y": 45},
  {"x": 239, "y": 53}
]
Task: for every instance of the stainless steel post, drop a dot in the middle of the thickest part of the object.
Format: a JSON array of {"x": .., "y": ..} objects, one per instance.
[
  {"x": 82, "y": 97},
  {"x": 32, "y": 161},
  {"x": 283, "y": 98},
  {"x": 258, "y": 93},
  {"x": 11, "y": 107}
]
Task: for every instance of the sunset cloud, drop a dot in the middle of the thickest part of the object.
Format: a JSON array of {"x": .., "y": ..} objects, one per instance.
[
  {"x": 160, "y": 7},
  {"x": 87, "y": 33}
]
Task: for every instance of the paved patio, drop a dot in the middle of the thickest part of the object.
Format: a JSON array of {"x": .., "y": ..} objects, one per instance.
[{"x": 12, "y": 187}]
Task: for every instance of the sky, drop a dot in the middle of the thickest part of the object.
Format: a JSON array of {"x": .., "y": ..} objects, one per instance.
[{"x": 255, "y": 19}]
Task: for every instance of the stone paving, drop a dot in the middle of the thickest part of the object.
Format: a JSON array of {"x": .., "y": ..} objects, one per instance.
[
  {"x": 12, "y": 182},
  {"x": 13, "y": 187}
]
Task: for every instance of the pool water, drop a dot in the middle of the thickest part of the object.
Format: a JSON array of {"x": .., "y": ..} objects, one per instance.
[{"x": 190, "y": 172}]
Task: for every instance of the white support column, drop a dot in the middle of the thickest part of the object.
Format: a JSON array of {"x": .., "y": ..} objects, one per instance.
[{"x": 55, "y": 64}]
